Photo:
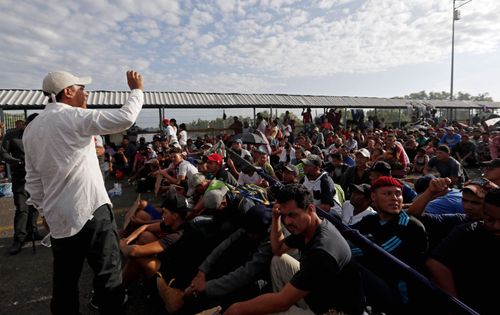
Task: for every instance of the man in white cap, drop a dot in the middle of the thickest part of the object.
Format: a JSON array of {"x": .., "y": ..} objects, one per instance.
[{"x": 66, "y": 186}]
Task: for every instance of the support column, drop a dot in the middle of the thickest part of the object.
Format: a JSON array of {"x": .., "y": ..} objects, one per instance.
[
  {"x": 345, "y": 117},
  {"x": 159, "y": 118}
]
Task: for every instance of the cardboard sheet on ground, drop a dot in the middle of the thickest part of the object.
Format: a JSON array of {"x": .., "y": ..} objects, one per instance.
[
  {"x": 131, "y": 211},
  {"x": 159, "y": 179}
]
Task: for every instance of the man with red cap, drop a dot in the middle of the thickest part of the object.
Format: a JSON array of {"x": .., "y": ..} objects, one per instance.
[
  {"x": 396, "y": 232},
  {"x": 215, "y": 170}
]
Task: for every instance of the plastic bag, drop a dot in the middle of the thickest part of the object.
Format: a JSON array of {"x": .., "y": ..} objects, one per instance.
[{"x": 116, "y": 190}]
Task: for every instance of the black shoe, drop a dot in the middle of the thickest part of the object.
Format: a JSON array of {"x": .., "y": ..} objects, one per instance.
[
  {"x": 15, "y": 248},
  {"x": 93, "y": 305},
  {"x": 36, "y": 237}
]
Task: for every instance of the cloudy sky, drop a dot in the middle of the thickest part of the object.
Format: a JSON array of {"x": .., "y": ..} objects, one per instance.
[{"x": 380, "y": 48}]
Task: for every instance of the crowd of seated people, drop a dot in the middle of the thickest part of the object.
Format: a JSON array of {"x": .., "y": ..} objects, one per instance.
[{"x": 237, "y": 231}]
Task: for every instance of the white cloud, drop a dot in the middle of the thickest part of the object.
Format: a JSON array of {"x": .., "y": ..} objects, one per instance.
[
  {"x": 266, "y": 39},
  {"x": 299, "y": 17},
  {"x": 226, "y": 5}
]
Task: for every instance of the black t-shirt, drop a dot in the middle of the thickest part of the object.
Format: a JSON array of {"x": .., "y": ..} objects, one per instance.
[
  {"x": 327, "y": 272},
  {"x": 438, "y": 226},
  {"x": 473, "y": 255},
  {"x": 181, "y": 259}
]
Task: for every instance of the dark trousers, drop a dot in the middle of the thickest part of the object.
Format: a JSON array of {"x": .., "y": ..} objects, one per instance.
[
  {"x": 98, "y": 243},
  {"x": 25, "y": 216}
]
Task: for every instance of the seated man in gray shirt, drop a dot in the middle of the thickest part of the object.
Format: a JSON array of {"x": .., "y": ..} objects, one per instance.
[{"x": 446, "y": 166}]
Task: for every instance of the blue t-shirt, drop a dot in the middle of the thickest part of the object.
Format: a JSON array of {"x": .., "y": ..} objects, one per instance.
[
  {"x": 451, "y": 141},
  {"x": 449, "y": 203},
  {"x": 349, "y": 161},
  {"x": 408, "y": 193},
  {"x": 155, "y": 214}
]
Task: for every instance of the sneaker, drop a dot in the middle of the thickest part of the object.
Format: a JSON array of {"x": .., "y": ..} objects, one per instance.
[{"x": 93, "y": 305}]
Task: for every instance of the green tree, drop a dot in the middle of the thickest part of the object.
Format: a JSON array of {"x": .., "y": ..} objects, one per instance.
[{"x": 443, "y": 95}]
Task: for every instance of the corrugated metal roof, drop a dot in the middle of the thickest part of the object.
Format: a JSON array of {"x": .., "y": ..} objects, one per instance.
[{"x": 34, "y": 99}]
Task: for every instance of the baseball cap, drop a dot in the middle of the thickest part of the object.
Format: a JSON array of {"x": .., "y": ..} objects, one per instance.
[
  {"x": 212, "y": 199},
  {"x": 479, "y": 186},
  {"x": 365, "y": 189},
  {"x": 55, "y": 82},
  {"x": 381, "y": 167},
  {"x": 491, "y": 164},
  {"x": 261, "y": 149},
  {"x": 364, "y": 152},
  {"x": 193, "y": 182},
  {"x": 312, "y": 160},
  {"x": 215, "y": 157},
  {"x": 238, "y": 141},
  {"x": 176, "y": 203},
  {"x": 292, "y": 168},
  {"x": 449, "y": 128},
  {"x": 166, "y": 121}
]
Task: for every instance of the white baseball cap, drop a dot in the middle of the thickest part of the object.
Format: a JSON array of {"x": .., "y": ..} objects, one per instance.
[{"x": 55, "y": 82}]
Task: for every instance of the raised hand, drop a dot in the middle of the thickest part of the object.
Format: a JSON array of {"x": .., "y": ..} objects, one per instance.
[{"x": 134, "y": 80}]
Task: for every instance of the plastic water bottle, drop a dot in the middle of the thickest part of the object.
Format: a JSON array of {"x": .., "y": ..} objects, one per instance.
[{"x": 46, "y": 241}]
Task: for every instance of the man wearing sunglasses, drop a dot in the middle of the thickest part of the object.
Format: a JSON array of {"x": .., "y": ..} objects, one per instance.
[{"x": 66, "y": 186}]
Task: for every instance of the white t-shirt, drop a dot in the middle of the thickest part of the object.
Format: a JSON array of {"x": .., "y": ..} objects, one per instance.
[
  {"x": 262, "y": 126},
  {"x": 348, "y": 210},
  {"x": 186, "y": 169},
  {"x": 183, "y": 137},
  {"x": 245, "y": 179},
  {"x": 170, "y": 132}
]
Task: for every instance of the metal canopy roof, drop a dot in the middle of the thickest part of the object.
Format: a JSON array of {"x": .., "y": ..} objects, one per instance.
[{"x": 34, "y": 99}]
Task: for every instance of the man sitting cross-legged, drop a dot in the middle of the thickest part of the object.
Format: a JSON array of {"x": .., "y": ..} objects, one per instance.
[{"x": 147, "y": 244}]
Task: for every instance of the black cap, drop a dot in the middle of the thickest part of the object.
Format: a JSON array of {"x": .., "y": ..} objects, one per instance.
[
  {"x": 175, "y": 203},
  {"x": 491, "y": 164},
  {"x": 381, "y": 167},
  {"x": 365, "y": 189}
]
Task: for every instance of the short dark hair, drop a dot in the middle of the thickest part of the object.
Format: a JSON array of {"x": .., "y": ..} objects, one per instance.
[
  {"x": 297, "y": 192},
  {"x": 336, "y": 155},
  {"x": 175, "y": 150},
  {"x": 493, "y": 197},
  {"x": 444, "y": 148}
]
